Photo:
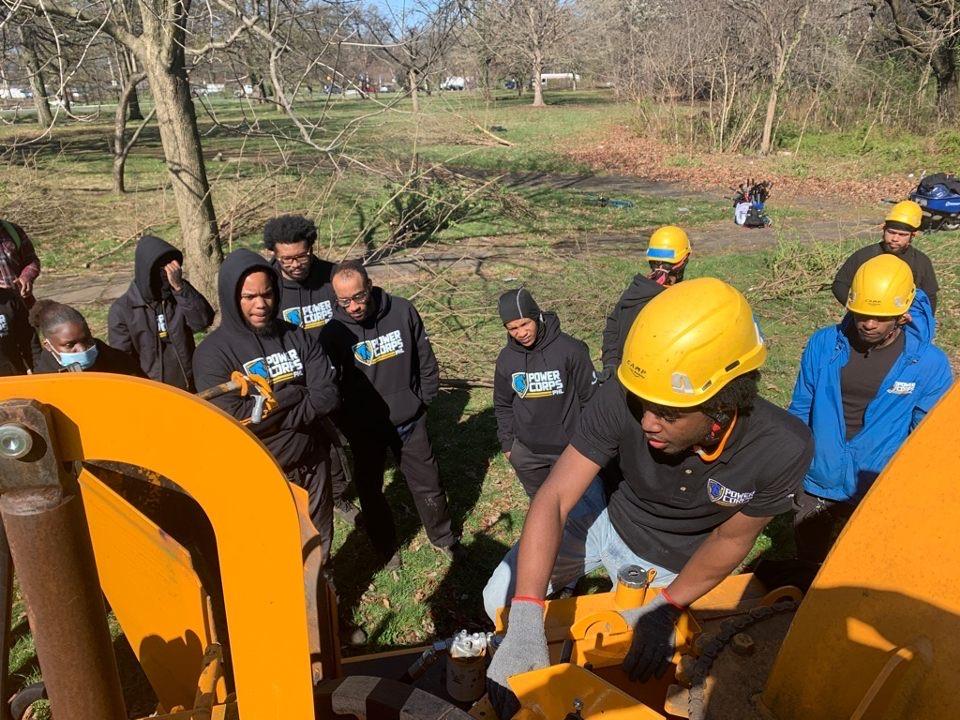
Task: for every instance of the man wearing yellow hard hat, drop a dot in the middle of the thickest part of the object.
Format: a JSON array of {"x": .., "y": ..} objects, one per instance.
[
  {"x": 863, "y": 386},
  {"x": 899, "y": 229},
  {"x": 668, "y": 254},
  {"x": 706, "y": 465}
]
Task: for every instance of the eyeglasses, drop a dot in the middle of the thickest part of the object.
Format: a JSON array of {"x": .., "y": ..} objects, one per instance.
[
  {"x": 359, "y": 298},
  {"x": 301, "y": 259}
]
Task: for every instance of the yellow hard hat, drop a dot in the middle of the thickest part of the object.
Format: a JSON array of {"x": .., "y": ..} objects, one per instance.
[
  {"x": 906, "y": 212},
  {"x": 688, "y": 342},
  {"x": 668, "y": 244},
  {"x": 883, "y": 286}
]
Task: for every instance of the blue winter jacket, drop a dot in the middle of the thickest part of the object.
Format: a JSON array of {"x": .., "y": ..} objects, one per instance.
[{"x": 845, "y": 470}]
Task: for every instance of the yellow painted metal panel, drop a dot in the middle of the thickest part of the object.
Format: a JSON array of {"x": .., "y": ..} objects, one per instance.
[
  {"x": 149, "y": 581},
  {"x": 241, "y": 489},
  {"x": 882, "y": 619}
]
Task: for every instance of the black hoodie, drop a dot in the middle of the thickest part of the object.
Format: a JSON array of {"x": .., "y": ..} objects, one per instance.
[
  {"x": 538, "y": 391},
  {"x": 308, "y": 304},
  {"x": 19, "y": 347},
  {"x": 298, "y": 369},
  {"x": 389, "y": 371},
  {"x": 638, "y": 293},
  {"x": 155, "y": 324}
]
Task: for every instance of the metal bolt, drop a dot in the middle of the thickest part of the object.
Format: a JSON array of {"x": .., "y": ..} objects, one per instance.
[
  {"x": 15, "y": 441},
  {"x": 577, "y": 705}
]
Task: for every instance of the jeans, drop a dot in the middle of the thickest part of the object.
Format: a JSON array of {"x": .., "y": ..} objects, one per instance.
[{"x": 589, "y": 541}]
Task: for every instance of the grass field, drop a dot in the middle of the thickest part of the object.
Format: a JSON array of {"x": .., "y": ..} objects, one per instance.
[{"x": 62, "y": 188}]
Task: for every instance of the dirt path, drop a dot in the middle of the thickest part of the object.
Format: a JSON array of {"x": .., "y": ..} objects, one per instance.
[{"x": 805, "y": 220}]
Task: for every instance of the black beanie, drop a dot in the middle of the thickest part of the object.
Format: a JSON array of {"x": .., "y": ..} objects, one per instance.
[
  {"x": 516, "y": 304},
  {"x": 896, "y": 225}
]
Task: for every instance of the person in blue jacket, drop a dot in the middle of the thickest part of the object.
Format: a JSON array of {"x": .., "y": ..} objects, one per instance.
[{"x": 864, "y": 385}]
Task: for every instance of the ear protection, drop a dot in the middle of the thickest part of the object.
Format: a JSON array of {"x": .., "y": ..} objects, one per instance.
[{"x": 720, "y": 420}]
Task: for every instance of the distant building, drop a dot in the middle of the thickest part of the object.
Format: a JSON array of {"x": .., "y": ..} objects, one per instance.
[
  {"x": 558, "y": 81},
  {"x": 14, "y": 93}
]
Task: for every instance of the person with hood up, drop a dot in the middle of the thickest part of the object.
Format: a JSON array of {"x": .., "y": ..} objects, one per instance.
[
  {"x": 863, "y": 386},
  {"x": 252, "y": 339},
  {"x": 155, "y": 319},
  {"x": 543, "y": 379},
  {"x": 307, "y": 300},
  {"x": 19, "y": 348},
  {"x": 68, "y": 345},
  {"x": 389, "y": 375},
  {"x": 668, "y": 254}
]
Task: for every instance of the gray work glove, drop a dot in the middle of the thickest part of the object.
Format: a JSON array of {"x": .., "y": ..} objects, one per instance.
[
  {"x": 654, "y": 639},
  {"x": 524, "y": 648}
]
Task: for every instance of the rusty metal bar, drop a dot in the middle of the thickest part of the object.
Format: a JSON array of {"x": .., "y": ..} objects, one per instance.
[
  {"x": 54, "y": 560},
  {"x": 6, "y": 620},
  {"x": 50, "y": 545}
]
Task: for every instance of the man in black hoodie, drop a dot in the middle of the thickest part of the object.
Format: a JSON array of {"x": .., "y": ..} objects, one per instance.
[
  {"x": 668, "y": 254},
  {"x": 252, "y": 339},
  {"x": 307, "y": 300},
  {"x": 154, "y": 321},
  {"x": 543, "y": 378},
  {"x": 389, "y": 376}
]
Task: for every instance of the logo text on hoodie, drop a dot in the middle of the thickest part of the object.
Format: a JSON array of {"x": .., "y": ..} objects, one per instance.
[
  {"x": 309, "y": 316},
  {"x": 4, "y": 326},
  {"x": 161, "y": 325},
  {"x": 537, "y": 384},
  {"x": 277, "y": 367},
  {"x": 371, "y": 352}
]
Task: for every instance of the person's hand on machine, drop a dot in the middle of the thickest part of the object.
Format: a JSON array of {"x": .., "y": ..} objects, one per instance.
[
  {"x": 654, "y": 638},
  {"x": 524, "y": 648}
]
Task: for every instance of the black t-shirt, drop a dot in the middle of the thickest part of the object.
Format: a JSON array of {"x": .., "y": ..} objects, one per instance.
[
  {"x": 668, "y": 504},
  {"x": 861, "y": 377}
]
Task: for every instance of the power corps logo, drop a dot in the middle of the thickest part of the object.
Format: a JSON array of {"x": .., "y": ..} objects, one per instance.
[
  {"x": 537, "y": 384},
  {"x": 309, "y": 316},
  {"x": 277, "y": 367},
  {"x": 371, "y": 352}
]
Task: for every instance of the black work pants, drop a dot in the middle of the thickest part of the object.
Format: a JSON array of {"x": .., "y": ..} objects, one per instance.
[
  {"x": 531, "y": 467},
  {"x": 313, "y": 475},
  {"x": 816, "y": 524},
  {"x": 414, "y": 456},
  {"x": 338, "y": 478}
]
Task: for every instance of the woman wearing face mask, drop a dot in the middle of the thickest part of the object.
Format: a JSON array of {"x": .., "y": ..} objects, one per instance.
[{"x": 68, "y": 344}]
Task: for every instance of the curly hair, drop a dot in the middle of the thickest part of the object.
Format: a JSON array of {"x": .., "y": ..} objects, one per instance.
[
  {"x": 48, "y": 314},
  {"x": 288, "y": 229},
  {"x": 739, "y": 394}
]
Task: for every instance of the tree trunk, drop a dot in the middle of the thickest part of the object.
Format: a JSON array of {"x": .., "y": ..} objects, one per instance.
[
  {"x": 412, "y": 82},
  {"x": 537, "y": 83},
  {"x": 37, "y": 83},
  {"x": 180, "y": 137},
  {"x": 767, "y": 139},
  {"x": 128, "y": 68},
  {"x": 121, "y": 148}
]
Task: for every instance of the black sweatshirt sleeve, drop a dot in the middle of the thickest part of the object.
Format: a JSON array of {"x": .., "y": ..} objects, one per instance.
[
  {"x": 583, "y": 372},
  {"x": 118, "y": 333},
  {"x": 844, "y": 277},
  {"x": 429, "y": 369},
  {"x": 503, "y": 408},
  {"x": 928, "y": 282},
  {"x": 610, "y": 353},
  {"x": 196, "y": 310},
  {"x": 28, "y": 345},
  {"x": 321, "y": 396}
]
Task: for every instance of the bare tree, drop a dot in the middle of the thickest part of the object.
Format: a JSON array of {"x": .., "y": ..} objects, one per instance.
[{"x": 29, "y": 47}]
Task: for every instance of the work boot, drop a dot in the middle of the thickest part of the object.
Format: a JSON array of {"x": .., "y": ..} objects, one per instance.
[
  {"x": 393, "y": 562},
  {"x": 348, "y": 512}
]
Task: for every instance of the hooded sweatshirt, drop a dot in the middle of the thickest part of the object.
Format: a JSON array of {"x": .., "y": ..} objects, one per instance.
[
  {"x": 388, "y": 369},
  {"x": 154, "y": 323},
  {"x": 845, "y": 469},
  {"x": 641, "y": 291},
  {"x": 538, "y": 392},
  {"x": 298, "y": 369},
  {"x": 18, "y": 342},
  {"x": 308, "y": 304}
]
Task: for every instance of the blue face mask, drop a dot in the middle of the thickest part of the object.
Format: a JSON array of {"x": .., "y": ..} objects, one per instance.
[{"x": 84, "y": 359}]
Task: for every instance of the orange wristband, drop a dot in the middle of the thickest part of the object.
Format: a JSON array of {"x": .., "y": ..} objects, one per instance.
[
  {"x": 528, "y": 598},
  {"x": 666, "y": 596}
]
